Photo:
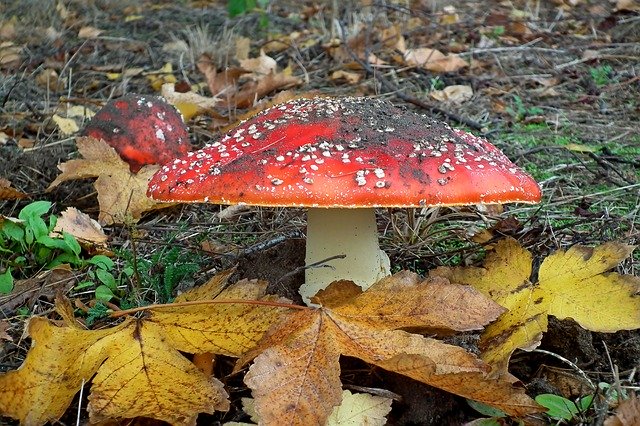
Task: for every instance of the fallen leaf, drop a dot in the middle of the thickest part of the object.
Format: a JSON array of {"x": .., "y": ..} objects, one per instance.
[
  {"x": 434, "y": 60},
  {"x": 138, "y": 366},
  {"x": 81, "y": 226},
  {"x": 295, "y": 377},
  {"x": 349, "y": 77},
  {"x": 9, "y": 193},
  {"x": 627, "y": 6},
  {"x": 10, "y": 54},
  {"x": 627, "y": 413},
  {"x": 67, "y": 126},
  {"x": 189, "y": 104},
  {"x": 571, "y": 284},
  {"x": 5, "y": 325},
  {"x": 89, "y": 32},
  {"x": 360, "y": 409},
  {"x": 162, "y": 76},
  {"x": 121, "y": 194},
  {"x": 263, "y": 64},
  {"x": 456, "y": 94}
]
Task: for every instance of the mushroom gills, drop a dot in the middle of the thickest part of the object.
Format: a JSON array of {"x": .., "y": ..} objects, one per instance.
[{"x": 337, "y": 231}]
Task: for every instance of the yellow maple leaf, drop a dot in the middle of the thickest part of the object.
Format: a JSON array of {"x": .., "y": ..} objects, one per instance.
[
  {"x": 571, "y": 284},
  {"x": 122, "y": 195},
  {"x": 138, "y": 366},
  {"x": 295, "y": 377}
]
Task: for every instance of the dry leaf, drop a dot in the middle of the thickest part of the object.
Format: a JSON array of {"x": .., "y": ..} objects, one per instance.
[
  {"x": 138, "y": 366},
  {"x": 89, "y": 32},
  {"x": 360, "y": 409},
  {"x": 456, "y": 94},
  {"x": 122, "y": 195},
  {"x": 5, "y": 325},
  {"x": 349, "y": 77},
  {"x": 263, "y": 64},
  {"x": 571, "y": 284},
  {"x": 189, "y": 104},
  {"x": 434, "y": 60},
  {"x": 295, "y": 377},
  {"x": 67, "y": 126},
  {"x": 9, "y": 53},
  {"x": 627, "y": 413},
  {"x": 9, "y": 193},
  {"x": 81, "y": 226},
  {"x": 627, "y": 6},
  {"x": 243, "y": 46},
  {"x": 162, "y": 76}
]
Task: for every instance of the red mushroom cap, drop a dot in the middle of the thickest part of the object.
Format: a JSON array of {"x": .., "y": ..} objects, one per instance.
[
  {"x": 350, "y": 152},
  {"x": 142, "y": 129}
]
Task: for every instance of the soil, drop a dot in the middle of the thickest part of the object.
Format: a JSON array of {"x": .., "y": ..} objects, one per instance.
[{"x": 532, "y": 70}]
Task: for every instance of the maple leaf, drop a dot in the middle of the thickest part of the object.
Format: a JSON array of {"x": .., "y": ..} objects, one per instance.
[
  {"x": 122, "y": 195},
  {"x": 571, "y": 284},
  {"x": 138, "y": 366},
  {"x": 295, "y": 375}
]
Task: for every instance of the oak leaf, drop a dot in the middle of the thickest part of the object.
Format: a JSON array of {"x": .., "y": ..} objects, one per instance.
[
  {"x": 138, "y": 366},
  {"x": 295, "y": 377},
  {"x": 122, "y": 195},
  {"x": 571, "y": 284}
]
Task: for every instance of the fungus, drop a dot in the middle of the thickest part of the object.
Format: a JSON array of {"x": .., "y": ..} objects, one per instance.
[
  {"x": 342, "y": 158},
  {"x": 142, "y": 129}
]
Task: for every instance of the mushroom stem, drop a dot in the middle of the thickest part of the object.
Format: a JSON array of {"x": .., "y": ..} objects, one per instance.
[{"x": 352, "y": 232}]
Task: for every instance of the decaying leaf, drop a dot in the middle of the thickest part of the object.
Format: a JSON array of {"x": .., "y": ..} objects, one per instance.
[
  {"x": 67, "y": 126},
  {"x": 81, "y": 226},
  {"x": 434, "y": 60},
  {"x": 9, "y": 193},
  {"x": 360, "y": 409},
  {"x": 627, "y": 413},
  {"x": 122, "y": 195},
  {"x": 189, "y": 104},
  {"x": 571, "y": 284},
  {"x": 138, "y": 366},
  {"x": 457, "y": 93},
  {"x": 295, "y": 377}
]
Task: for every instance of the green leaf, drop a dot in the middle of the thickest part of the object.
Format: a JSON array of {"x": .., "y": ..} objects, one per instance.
[
  {"x": 104, "y": 293},
  {"x": 585, "y": 403},
  {"x": 6, "y": 282},
  {"x": 558, "y": 408},
  {"x": 53, "y": 243},
  {"x": 83, "y": 285},
  {"x": 35, "y": 209},
  {"x": 72, "y": 243},
  {"x": 13, "y": 231},
  {"x": 106, "y": 278},
  {"x": 486, "y": 410},
  {"x": 102, "y": 262},
  {"x": 64, "y": 258}
]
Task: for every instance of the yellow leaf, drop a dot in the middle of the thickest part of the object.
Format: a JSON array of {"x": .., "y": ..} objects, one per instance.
[
  {"x": 577, "y": 286},
  {"x": 122, "y": 195},
  {"x": 360, "y": 409},
  {"x": 138, "y": 365},
  {"x": 571, "y": 284},
  {"x": 295, "y": 377},
  {"x": 145, "y": 376},
  {"x": 67, "y": 126},
  {"x": 162, "y": 76}
]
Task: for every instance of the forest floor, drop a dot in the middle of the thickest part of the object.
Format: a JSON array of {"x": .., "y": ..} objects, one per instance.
[{"x": 553, "y": 84}]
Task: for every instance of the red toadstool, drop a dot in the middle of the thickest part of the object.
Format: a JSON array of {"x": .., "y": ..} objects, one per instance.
[
  {"x": 341, "y": 158},
  {"x": 142, "y": 129}
]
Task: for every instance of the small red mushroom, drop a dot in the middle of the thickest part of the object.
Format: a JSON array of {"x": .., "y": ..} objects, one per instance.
[
  {"x": 342, "y": 158},
  {"x": 142, "y": 129}
]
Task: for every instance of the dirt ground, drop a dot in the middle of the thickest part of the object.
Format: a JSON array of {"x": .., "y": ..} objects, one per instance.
[{"x": 556, "y": 86}]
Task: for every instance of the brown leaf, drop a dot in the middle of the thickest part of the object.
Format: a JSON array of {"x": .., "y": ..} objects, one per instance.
[
  {"x": 9, "y": 193},
  {"x": 5, "y": 325},
  {"x": 627, "y": 413},
  {"x": 434, "y": 60},
  {"x": 46, "y": 284},
  {"x": 122, "y": 195},
  {"x": 295, "y": 375},
  {"x": 81, "y": 226},
  {"x": 252, "y": 91}
]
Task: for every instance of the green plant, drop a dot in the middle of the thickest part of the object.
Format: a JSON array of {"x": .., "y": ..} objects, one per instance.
[
  {"x": 560, "y": 408},
  {"x": 240, "y": 7},
  {"x": 601, "y": 75},
  {"x": 436, "y": 83},
  {"x": 28, "y": 244},
  {"x": 519, "y": 111},
  {"x": 163, "y": 270}
]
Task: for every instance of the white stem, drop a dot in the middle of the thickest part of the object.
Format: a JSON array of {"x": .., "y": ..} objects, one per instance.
[{"x": 351, "y": 232}]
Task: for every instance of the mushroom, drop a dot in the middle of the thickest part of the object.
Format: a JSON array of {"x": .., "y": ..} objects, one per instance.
[
  {"x": 142, "y": 129},
  {"x": 341, "y": 158}
]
